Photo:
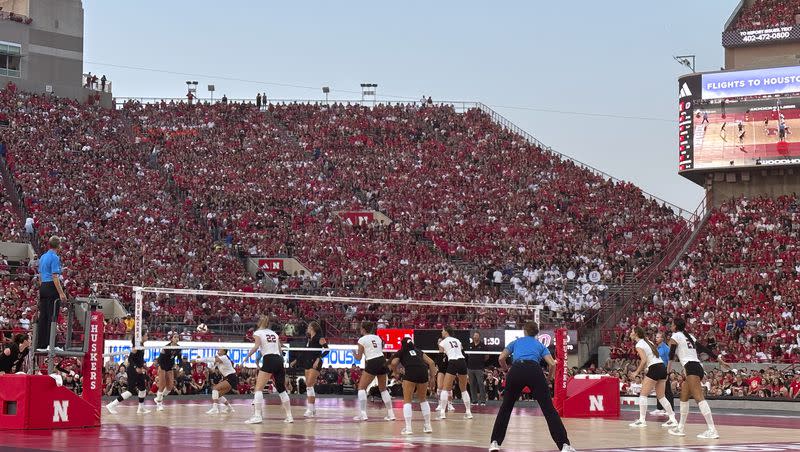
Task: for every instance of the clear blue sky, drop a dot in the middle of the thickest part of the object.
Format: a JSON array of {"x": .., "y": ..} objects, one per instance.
[{"x": 607, "y": 57}]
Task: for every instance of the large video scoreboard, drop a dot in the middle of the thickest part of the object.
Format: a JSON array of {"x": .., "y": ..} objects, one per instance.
[{"x": 739, "y": 118}]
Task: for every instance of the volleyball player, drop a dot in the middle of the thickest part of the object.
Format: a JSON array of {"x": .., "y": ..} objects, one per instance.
[
  {"x": 526, "y": 371},
  {"x": 166, "y": 374},
  {"x": 419, "y": 371},
  {"x": 229, "y": 381},
  {"x": 684, "y": 346},
  {"x": 267, "y": 341},
  {"x": 370, "y": 346},
  {"x": 137, "y": 379},
  {"x": 456, "y": 368},
  {"x": 311, "y": 363},
  {"x": 441, "y": 366},
  {"x": 14, "y": 354},
  {"x": 656, "y": 377}
]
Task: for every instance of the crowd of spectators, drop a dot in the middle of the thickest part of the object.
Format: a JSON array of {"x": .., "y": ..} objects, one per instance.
[
  {"x": 174, "y": 195},
  {"x": 772, "y": 382},
  {"x": 768, "y": 14},
  {"x": 738, "y": 285}
]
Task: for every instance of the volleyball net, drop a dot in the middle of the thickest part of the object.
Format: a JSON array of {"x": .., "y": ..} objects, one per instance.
[{"x": 209, "y": 320}]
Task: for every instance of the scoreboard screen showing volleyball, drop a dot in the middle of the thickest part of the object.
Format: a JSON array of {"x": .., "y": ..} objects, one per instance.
[{"x": 739, "y": 118}]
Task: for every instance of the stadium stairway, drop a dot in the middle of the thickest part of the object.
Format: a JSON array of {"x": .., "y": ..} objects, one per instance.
[{"x": 17, "y": 200}]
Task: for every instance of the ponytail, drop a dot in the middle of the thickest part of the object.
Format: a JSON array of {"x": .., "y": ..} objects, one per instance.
[
  {"x": 680, "y": 325},
  {"x": 641, "y": 334}
]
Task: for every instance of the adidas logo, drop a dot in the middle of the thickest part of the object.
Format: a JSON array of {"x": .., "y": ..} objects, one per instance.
[{"x": 685, "y": 91}]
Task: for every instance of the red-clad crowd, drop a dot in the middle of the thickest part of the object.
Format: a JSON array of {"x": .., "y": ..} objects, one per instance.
[
  {"x": 738, "y": 286},
  {"x": 174, "y": 195},
  {"x": 768, "y": 14}
]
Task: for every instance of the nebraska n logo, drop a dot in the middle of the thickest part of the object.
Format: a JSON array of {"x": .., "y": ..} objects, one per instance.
[
  {"x": 685, "y": 91},
  {"x": 596, "y": 403},
  {"x": 60, "y": 408}
]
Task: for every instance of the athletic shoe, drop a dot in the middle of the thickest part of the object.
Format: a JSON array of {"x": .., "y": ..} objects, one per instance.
[
  {"x": 677, "y": 431},
  {"x": 288, "y": 420},
  {"x": 389, "y": 418},
  {"x": 442, "y": 416},
  {"x": 450, "y": 406},
  {"x": 427, "y": 429},
  {"x": 406, "y": 431},
  {"x": 159, "y": 406},
  {"x": 112, "y": 408},
  {"x": 494, "y": 446},
  {"x": 254, "y": 420},
  {"x": 213, "y": 410},
  {"x": 670, "y": 423},
  {"x": 709, "y": 434},
  {"x": 468, "y": 415},
  {"x": 638, "y": 424},
  {"x": 226, "y": 409},
  {"x": 308, "y": 413},
  {"x": 568, "y": 448},
  {"x": 142, "y": 410},
  {"x": 658, "y": 413},
  {"x": 361, "y": 417}
]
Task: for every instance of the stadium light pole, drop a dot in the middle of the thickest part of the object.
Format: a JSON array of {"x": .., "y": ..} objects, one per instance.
[
  {"x": 326, "y": 90},
  {"x": 369, "y": 89},
  {"x": 686, "y": 60}
]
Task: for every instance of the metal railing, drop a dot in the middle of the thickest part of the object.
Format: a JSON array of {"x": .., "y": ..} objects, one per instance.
[
  {"x": 646, "y": 277},
  {"x": 95, "y": 83}
]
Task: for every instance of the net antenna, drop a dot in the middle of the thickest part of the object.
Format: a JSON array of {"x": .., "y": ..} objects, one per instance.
[{"x": 139, "y": 291}]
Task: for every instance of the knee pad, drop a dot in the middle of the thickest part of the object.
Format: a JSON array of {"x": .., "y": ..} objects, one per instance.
[
  {"x": 280, "y": 385},
  {"x": 215, "y": 394},
  {"x": 309, "y": 392}
]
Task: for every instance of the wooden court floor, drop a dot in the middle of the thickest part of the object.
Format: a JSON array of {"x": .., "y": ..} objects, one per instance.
[{"x": 185, "y": 426}]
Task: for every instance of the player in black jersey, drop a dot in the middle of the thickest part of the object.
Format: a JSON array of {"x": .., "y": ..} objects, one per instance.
[
  {"x": 137, "y": 379},
  {"x": 14, "y": 354},
  {"x": 418, "y": 376},
  {"x": 311, "y": 363},
  {"x": 166, "y": 374}
]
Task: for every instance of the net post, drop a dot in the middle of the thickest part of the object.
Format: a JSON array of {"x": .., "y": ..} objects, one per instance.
[
  {"x": 138, "y": 298},
  {"x": 537, "y": 309}
]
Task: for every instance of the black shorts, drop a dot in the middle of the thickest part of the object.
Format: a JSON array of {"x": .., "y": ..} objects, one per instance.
[
  {"x": 272, "y": 364},
  {"x": 416, "y": 374},
  {"x": 306, "y": 364},
  {"x": 457, "y": 367},
  {"x": 376, "y": 366},
  {"x": 232, "y": 380},
  {"x": 165, "y": 365},
  {"x": 136, "y": 381},
  {"x": 694, "y": 368},
  {"x": 657, "y": 372}
]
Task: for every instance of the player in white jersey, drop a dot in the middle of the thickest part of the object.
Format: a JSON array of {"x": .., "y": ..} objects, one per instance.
[
  {"x": 456, "y": 368},
  {"x": 370, "y": 347},
  {"x": 684, "y": 346},
  {"x": 228, "y": 383},
  {"x": 656, "y": 377},
  {"x": 268, "y": 343}
]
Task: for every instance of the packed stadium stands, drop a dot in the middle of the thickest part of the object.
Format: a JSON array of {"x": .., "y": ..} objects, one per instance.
[
  {"x": 744, "y": 264},
  {"x": 767, "y": 14},
  {"x": 174, "y": 195}
]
